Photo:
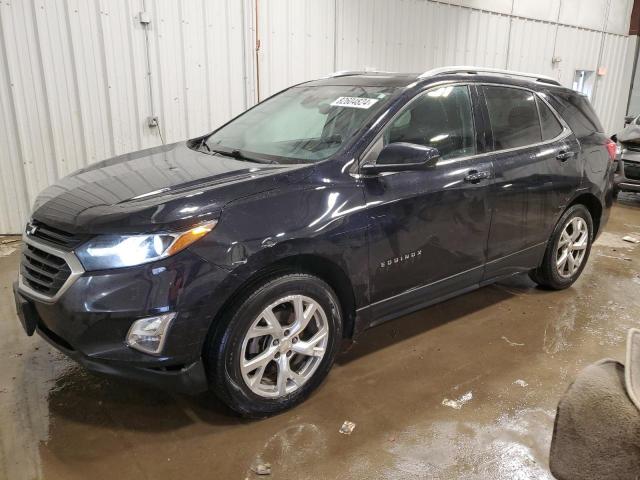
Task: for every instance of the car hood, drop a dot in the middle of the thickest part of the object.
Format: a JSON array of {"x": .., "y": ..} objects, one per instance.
[{"x": 166, "y": 187}]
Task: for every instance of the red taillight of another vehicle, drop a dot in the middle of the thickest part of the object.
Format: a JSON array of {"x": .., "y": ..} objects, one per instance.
[{"x": 611, "y": 148}]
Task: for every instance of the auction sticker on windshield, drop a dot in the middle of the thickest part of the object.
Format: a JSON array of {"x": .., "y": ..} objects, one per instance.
[{"x": 354, "y": 102}]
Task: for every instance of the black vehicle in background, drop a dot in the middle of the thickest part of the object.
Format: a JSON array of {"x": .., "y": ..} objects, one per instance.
[
  {"x": 627, "y": 165},
  {"x": 239, "y": 261}
]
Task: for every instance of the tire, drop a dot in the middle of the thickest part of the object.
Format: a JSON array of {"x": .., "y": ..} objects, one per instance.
[
  {"x": 548, "y": 274},
  {"x": 276, "y": 346}
]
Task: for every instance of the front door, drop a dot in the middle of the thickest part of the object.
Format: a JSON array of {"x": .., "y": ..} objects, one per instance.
[{"x": 429, "y": 228}]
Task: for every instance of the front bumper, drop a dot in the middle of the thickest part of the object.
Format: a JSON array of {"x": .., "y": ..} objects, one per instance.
[
  {"x": 189, "y": 379},
  {"x": 90, "y": 320}
]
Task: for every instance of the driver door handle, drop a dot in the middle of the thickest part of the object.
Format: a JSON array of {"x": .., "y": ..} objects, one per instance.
[
  {"x": 565, "y": 155},
  {"x": 475, "y": 176}
]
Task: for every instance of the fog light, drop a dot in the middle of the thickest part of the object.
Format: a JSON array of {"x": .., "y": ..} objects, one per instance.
[{"x": 149, "y": 334}]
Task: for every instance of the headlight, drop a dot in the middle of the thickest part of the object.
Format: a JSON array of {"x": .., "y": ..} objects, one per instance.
[{"x": 116, "y": 251}]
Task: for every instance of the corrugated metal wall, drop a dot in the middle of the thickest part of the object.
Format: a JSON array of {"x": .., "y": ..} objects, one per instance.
[
  {"x": 296, "y": 42},
  {"x": 74, "y": 87},
  {"x": 613, "y": 93},
  {"x": 416, "y": 35}
]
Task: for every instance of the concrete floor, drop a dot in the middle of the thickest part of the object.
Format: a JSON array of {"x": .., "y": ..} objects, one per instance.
[{"x": 509, "y": 350}]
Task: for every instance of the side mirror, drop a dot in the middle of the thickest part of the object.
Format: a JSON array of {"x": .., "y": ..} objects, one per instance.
[
  {"x": 402, "y": 157},
  {"x": 628, "y": 119}
]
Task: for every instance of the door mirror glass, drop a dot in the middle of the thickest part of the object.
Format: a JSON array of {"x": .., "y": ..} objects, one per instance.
[{"x": 401, "y": 156}]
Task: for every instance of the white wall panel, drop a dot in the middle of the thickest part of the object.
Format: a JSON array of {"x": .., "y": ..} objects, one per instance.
[
  {"x": 584, "y": 13},
  {"x": 546, "y": 10},
  {"x": 531, "y": 46},
  {"x": 13, "y": 187},
  {"x": 28, "y": 97},
  {"x": 580, "y": 13},
  {"x": 297, "y": 42},
  {"x": 74, "y": 83},
  {"x": 579, "y": 50},
  {"x": 414, "y": 36},
  {"x": 613, "y": 88},
  {"x": 498, "y": 6},
  {"x": 619, "y": 17},
  {"x": 127, "y": 81}
]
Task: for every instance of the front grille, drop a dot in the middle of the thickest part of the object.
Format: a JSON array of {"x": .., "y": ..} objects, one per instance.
[
  {"x": 55, "y": 236},
  {"x": 42, "y": 271},
  {"x": 632, "y": 170}
]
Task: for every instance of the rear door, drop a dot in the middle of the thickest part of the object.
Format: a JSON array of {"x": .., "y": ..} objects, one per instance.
[
  {"x": 566, "y": 165},
  {"x": 532, "y": 162}
]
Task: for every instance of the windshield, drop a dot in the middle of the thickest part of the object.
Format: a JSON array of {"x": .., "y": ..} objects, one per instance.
[{"x": 301, "y": 124}]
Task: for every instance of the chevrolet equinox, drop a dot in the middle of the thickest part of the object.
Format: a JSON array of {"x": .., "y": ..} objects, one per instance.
[{"x": 237, "y": 262}]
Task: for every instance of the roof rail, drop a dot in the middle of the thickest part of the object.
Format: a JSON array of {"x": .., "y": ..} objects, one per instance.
[
  {"x": 490, "y": 71},
  {"x": 343, "y": 73}
]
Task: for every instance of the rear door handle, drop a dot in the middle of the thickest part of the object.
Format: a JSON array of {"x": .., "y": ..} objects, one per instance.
[
  {"x": 565, "y": 155},
  {"x": 475, "y": 176}
]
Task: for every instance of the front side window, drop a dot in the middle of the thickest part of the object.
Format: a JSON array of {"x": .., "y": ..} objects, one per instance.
[
  {"x": 513, "y": 116},
  {"x": 441, "y": 118},
  {"x": 302, "y": 124}
]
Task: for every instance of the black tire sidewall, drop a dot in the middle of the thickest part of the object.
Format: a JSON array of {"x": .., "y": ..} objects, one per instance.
[
  {"x": 227, "y": 345},
  {"x": 549, "y": 272}
]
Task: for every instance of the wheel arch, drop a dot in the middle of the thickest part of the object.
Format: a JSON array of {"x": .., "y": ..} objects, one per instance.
[
  {"x": 316, "y": 265},
  {"x": 593, "y": 204}
]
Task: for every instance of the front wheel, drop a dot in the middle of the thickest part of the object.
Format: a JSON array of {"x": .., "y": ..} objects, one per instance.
[
  {"x": 276, "y": 346},
  {"x": 567, "y": 251}
]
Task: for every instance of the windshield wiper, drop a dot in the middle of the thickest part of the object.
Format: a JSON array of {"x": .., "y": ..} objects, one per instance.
[
  {"x": 238, "y": 155},
  {"x": 203, "y": 143}
]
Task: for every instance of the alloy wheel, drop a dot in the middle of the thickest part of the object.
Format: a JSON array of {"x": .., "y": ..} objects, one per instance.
[
  {"x": 571, "y": 248},
  {"x": 284, "y": 346}
]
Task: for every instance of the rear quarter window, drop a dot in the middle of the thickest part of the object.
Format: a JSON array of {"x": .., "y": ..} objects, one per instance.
[
  {"x": 551, "y": 127},
  {"x": 577, "y": 111}
]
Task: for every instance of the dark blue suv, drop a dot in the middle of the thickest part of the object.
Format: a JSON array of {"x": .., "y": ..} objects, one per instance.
[{"x": 239, "y": 261}]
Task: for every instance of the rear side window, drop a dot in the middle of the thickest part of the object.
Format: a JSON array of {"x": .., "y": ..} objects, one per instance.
[
  {"x": 514, "y": 117},
  {"x": 551, "y": 127},
  {"x": 441, "y": 118}
]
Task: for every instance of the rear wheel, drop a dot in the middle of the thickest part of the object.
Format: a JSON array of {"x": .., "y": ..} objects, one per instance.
[
  {"x": 276, "y": 346},
  {"x": 567, "y": 251}
]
